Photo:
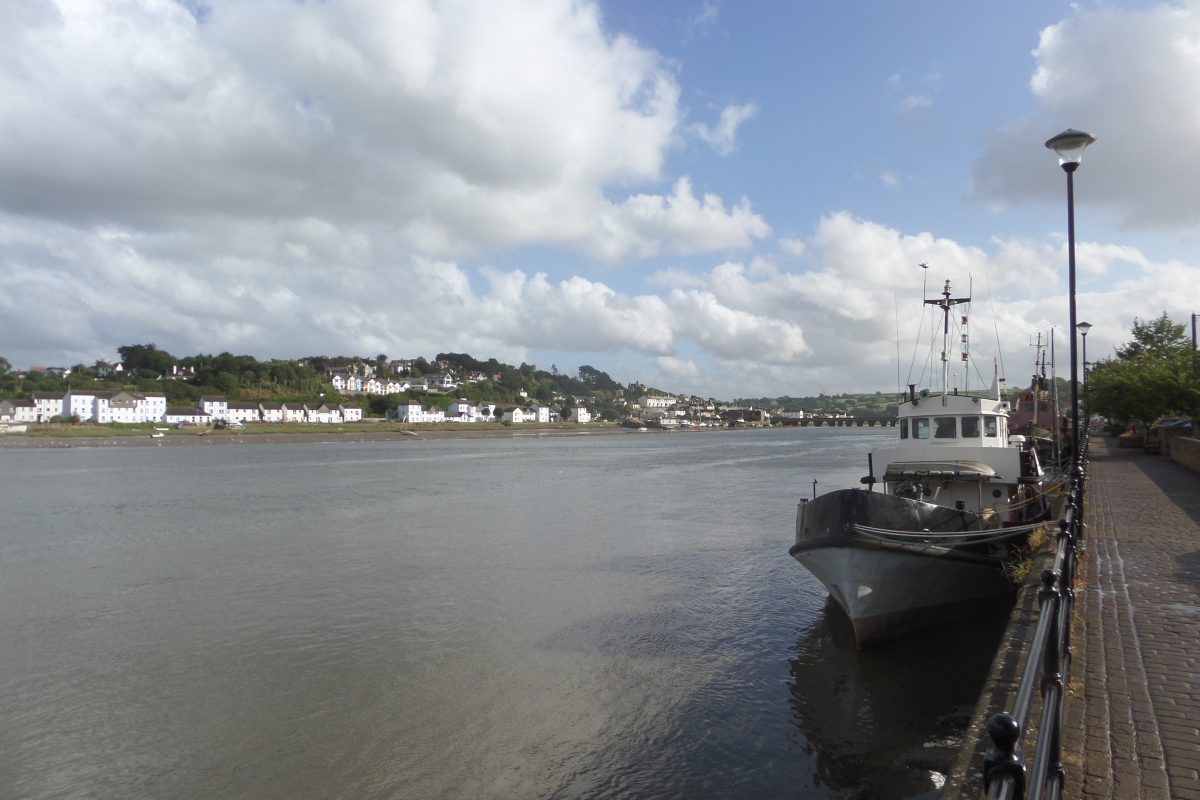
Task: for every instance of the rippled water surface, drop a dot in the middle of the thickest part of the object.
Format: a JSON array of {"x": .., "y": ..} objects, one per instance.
[{"x": 554, "y": 617}]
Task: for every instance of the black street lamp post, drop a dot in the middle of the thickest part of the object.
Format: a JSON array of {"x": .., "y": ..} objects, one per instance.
[
  {"x": 1070, "y": 145},
  {"x": 1083, "y": 328}
]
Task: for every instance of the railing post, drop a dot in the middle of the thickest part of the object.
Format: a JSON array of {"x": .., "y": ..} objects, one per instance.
[
  {"x": 1077, "y": 475},
  {"x": 1052, "y": 683},
  {"x": 1066, "y": 591},
  {"x": 1003, "y": 768}
]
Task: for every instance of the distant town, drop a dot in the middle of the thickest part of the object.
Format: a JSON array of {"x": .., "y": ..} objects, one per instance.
[{"x": 147, "y": 385}]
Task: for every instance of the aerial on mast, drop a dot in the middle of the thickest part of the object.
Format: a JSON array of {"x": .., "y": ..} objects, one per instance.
[{"x": 945, "y": 304}]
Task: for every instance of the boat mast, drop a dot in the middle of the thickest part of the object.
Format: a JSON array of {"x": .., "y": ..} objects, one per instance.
[
  {"x": 1054, "y": 426},
  {"x": 945, "y": 304},
  {"x": 1039, "y": 355}
]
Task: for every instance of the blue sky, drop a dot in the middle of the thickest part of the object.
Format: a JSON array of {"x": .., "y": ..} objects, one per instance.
[{"x": 726, "y": 199}]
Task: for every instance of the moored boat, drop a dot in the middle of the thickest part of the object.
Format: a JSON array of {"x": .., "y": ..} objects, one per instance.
[{"x": 928, "y": 544}]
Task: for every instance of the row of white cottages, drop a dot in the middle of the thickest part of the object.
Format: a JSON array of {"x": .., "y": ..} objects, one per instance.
[
  {"x": 466, "y": 411},
  {"x": 139, "y": 408}
]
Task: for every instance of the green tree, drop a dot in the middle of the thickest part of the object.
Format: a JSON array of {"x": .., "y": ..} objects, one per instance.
[
  {"x": 146, "y": 357},
  {"x": 1150, "y": 376},
  {"x": 5, "y": 366}
]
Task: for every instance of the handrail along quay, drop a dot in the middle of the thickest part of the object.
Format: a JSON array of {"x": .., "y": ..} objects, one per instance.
[{"x": 1006, "y": 773}]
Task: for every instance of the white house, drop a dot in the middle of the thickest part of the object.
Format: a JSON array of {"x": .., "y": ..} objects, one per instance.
[
  {"x": 129, "y": 407},
  {"x": 351, "y": 413},
  {"x": 270, "y": 412},
  {"x": 49, "y": 405},
  {"x": 324, "y": 413},
  {"x": 656, "y": 401},
  {"x": 462, "y": 411},
  {"x": 186, "y": 414},
  {"x": 18, "y": 411},
  {"x": 294, "y": 412},
  {"x": 444, "y": 382},
  {"x": 541, "y": 413},
  {"x": 519, "y": 415},
  {"x": 154, "y": 407},
  {"x": 410, "y": 411},
  {"x": 580, "y": 414},
  {"x": 215, "y": 406},
  {"x": 81, "y": 405},
  {"x": 347, "y": 382},
  {"x": 243, "y": 412}
]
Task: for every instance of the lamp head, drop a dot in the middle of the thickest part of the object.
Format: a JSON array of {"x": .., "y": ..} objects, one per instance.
[
  {"x": 1070, "y": 145},
  {"x": 1084, "y": 327}
]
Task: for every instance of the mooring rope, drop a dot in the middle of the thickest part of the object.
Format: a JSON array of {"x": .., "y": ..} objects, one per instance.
[{"x": 966, "y": 537}]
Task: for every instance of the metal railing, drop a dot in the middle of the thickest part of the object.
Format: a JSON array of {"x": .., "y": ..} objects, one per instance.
[{"x": 1006, "y": 775}]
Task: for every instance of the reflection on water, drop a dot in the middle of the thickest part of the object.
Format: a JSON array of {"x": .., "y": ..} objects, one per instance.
[
  {"x": 889, "y": 722},
  {"x": 583, "y": 617}
]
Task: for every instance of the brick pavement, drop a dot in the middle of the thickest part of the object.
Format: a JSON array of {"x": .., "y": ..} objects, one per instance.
[{"x": 1137, "y": 633}]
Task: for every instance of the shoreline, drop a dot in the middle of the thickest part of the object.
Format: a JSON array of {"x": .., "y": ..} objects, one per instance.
[{"x": 50, "y": 441}]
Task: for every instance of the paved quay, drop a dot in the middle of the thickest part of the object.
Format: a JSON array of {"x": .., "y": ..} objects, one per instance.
[{"x": 1136, "y": 733}]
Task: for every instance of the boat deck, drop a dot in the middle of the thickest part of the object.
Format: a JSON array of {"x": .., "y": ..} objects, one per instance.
[{"x": 1136, "y": 658}]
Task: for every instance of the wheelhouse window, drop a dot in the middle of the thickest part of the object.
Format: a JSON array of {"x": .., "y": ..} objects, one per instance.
[
  {"x": 970, "y": 427},
  {"x": 903, "y": 429},
  {"x": 920, "y": 427},
  {"x": 989, "y": 427},
  {"x": 945, "y": 427}
]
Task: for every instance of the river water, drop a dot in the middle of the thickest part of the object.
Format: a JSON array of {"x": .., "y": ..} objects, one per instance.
[{"x": 531, "y": 617}]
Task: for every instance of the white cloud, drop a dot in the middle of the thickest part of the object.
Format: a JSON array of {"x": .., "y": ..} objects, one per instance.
[
  {"x": 722, "y": 137},
  {"x": 681, "y": 223},
  {"x": 703, "y": 20},
  {"x": 677, "y": 370},
  {"x": 1095, "y": 72},
  {"x": 454, "y": 128},
  {"x": 792, "y": 246}
]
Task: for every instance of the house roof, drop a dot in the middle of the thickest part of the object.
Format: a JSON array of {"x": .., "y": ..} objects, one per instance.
[{"x": 185, "y": 411}]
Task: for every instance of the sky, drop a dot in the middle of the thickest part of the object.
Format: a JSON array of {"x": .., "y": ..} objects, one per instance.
[{"x": 713, "y": 198}]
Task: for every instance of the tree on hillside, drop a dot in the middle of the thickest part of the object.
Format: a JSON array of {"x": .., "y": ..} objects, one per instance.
[
  {"x": 146, "y": 356},
  {"x": 5, "y": 365},
  {"x": 596, "y": 380},
  {"x": 1150, "y": 376}
]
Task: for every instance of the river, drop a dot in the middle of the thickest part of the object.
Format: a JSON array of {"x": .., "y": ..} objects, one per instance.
[{"x": 533, "y": 617}]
